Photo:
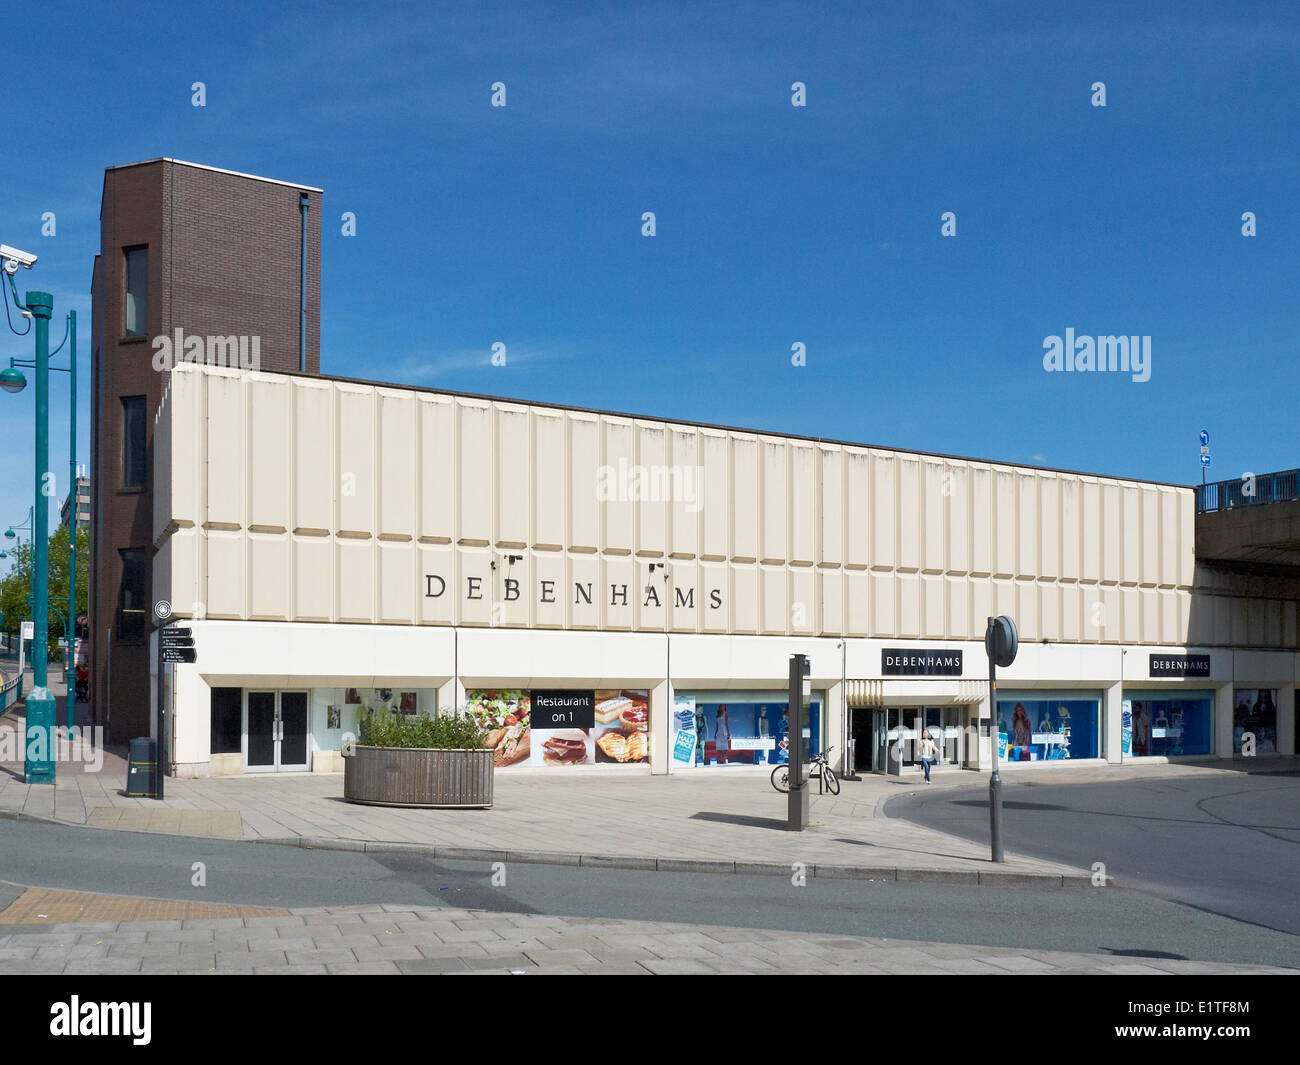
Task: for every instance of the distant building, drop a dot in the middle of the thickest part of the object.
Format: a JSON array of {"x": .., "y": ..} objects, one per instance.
[
  {"x": 186, "y": 251},
  {"x": 83, "y": 504}
]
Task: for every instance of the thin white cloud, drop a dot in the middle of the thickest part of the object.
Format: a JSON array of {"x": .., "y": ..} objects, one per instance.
[{"x": 432, "y": 367}]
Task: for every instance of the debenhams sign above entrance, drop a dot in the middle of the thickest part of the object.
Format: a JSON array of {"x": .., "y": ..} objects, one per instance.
[
  {"x": 900, "y": 661},
  {"x": 584, "y": 594},
  {"x": 1180, "y": 665}
]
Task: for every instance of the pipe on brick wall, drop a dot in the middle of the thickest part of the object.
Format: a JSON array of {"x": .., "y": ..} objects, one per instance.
[{"x": 303, "y": 201}]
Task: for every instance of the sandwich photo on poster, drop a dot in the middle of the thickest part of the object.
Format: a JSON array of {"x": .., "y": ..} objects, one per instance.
[
  {"x": 504, "y": 714},
  {"x": 565, "y": 746},
  {"x": 556, "y": 729},
  {"x": 622, "y": 724},
  {"x": 562, "y": 725}
]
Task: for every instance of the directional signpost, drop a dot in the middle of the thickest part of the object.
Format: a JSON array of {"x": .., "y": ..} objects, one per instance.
[
  {"x": 175, "y": 645},
  {"x": 1205, "y": 453}
]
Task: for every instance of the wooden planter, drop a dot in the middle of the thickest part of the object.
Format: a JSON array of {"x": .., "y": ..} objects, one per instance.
[{"x": 418, "y": 776}]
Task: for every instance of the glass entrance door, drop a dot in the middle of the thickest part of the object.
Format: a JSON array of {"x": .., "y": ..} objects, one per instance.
[
  {"x": 276, "y": 732},
  {"x": 293, "y": 730},
  {"x": 946, "y": 725},
  {"x": 260, "y": 731},
  {"x": 904, "y": 733}
]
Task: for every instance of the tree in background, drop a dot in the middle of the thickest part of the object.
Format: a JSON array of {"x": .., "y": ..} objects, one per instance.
[
  {"x": 59, "y": 577},
  {"x": 16, "y": 585}
]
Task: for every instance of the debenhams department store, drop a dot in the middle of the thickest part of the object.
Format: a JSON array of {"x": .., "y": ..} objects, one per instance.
[{"x": 611, "y": 593}]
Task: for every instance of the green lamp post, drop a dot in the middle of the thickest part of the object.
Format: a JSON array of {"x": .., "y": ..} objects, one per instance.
[
  {"x": 13, "y": 381},
  {"x": 41, "y": 739},
  {"x": 12, "y": 532}
]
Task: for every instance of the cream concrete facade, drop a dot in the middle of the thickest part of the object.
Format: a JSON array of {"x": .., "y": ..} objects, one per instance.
[{"x": 323, "y": 533}]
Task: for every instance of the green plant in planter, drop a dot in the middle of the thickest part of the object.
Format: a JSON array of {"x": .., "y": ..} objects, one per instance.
[{"x": 384, "y": 728}]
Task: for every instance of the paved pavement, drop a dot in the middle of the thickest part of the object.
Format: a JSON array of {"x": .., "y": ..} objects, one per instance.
[
  {"x": 1225, "y": 843},
  {"x": 1116, "y": 922},
  {"x": 735, "y": 823},
  {"x": 729, "y": 820},
  {"x": 396, "y": 939}
]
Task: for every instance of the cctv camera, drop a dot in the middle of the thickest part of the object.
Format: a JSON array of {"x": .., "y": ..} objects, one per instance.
[{"x": 13, "y": 258}]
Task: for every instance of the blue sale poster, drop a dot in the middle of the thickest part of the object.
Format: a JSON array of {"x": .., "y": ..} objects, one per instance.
[{"x": 684, "y": 741}]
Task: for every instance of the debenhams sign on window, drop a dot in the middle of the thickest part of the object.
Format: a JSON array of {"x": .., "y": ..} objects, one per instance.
[{"x": 584, "y": 594}]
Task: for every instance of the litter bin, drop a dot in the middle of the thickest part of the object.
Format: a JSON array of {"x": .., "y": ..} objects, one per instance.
[{"x": 141, "y": 781}]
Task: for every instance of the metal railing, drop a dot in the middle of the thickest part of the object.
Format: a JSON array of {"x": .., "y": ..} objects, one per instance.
[
  {"x": 11, "y": 692},
  {"x": 1248, "y": 490}
]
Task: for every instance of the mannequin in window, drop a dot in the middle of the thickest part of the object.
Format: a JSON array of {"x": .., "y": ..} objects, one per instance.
[
  {"x": 722, "y": 733},
  {"x": 1022, "y": 731},
  {"x": 1141, "y": 730}
]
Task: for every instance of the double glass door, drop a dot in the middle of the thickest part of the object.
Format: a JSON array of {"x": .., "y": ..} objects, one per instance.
[
  {"x": 896, "y": 734},
  {"x": 275, "y": 730}
]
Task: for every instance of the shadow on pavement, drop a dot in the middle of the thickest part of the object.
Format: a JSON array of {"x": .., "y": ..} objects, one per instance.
[{"x": 741, "y": 819}]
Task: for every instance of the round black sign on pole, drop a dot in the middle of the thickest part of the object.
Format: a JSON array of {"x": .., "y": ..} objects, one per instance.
[{"x": 1001, "y": 641}]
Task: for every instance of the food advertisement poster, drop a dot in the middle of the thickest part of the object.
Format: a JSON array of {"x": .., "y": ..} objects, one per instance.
[{"x": 562, "y": 728}]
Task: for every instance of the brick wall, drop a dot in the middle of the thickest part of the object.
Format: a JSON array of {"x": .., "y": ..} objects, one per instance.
[{"x": 223, "y": 260}]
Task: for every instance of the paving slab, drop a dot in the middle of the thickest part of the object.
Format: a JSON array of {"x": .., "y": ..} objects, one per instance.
[
  {"x": 690, "y": 822},
  {"x": 686, "y": 823}
]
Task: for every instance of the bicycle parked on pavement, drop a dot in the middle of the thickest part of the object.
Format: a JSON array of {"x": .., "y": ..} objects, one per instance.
[{"x": 819, "y": 767}]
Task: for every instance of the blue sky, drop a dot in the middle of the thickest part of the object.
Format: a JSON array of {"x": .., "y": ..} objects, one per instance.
[{"x": 775, "y": 224}]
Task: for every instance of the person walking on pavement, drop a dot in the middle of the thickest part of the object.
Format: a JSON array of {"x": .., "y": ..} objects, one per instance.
[{"x": 929, "y": 754}]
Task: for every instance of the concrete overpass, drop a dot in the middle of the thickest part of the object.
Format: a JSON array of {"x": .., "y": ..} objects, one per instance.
[{"x": 1250, "y": 525}]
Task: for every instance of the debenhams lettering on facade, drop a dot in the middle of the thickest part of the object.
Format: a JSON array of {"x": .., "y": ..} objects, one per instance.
[
  {"x": 1180, "y": 665},
  {"x": 897, "y": 661},
  {"x": 583, "y": 594}
]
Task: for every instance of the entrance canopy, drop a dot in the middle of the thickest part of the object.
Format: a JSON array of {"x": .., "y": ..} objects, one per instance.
[{"x": 927, "y": 691}]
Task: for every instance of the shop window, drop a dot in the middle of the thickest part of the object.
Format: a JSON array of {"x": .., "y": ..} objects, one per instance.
[
  {"x": 1254, "y": 720},
  {"x": 227, "y": 724},
  {"x": 136, "y": 305},
  {"x": 131, "y": 607},
  {"x": 1042, "y": 727},
  {"x": 337, "y": 712},
  {"x": 741, "y": 728},
  {"x": 1157, "y": 723}
]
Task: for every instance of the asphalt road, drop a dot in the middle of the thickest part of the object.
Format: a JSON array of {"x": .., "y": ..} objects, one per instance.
[
  {"x": 1229, "y": 845},
  {"x": 1103, "y": 920}
]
